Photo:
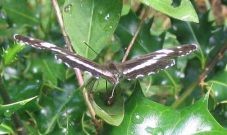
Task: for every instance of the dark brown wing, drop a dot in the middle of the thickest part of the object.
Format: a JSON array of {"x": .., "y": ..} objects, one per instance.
[
  {"x": 138, "y": 69},
  {"x": 169, "y": 53},
  {"x": 70, "y": 59},
  {"x": 153, "y": 62}
]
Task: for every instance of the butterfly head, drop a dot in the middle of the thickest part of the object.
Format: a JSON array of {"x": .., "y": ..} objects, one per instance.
[{"x": 115, "y": 73}]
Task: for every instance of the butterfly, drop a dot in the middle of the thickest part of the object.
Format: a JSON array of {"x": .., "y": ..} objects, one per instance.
[{"x": 135, "y": 68}]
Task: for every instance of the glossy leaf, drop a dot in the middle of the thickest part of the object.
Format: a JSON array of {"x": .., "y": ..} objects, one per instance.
[
  {"x": 112, "y": 114},
  {"x": 218, "y": 85},
  {"x": 9, "y": 109},
  {"x": 144, "y": 117},
  {"x": 160, "y": 85},
  {"x": 184, "y": 11},
  {"x": 63, "y": 107},
  {"x": 91, "y": 22}
]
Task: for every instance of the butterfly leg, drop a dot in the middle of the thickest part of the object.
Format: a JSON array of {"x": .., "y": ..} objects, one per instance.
[{"x": 111, "y": 98}]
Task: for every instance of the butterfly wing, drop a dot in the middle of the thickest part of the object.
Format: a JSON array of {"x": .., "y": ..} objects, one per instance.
[
  {"x": 70, "y": 59},
  {"x": 140, "y": 69},
  {"x": 153, "y": 62},
  {"x": 170, "y": 52}
]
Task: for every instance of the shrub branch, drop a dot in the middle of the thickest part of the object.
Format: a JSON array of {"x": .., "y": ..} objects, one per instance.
[
  {"x": 143, "y": 16},
  {"x": 200, "y": 81},
  {"x": 77, "y": 71}
]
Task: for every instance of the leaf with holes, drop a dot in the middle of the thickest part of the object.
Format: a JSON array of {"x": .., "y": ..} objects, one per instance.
[{"x": 184, "y": 11}]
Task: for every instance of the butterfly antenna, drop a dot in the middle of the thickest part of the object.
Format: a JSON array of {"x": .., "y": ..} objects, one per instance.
[
  {"x": 90, "y": 47},
  {"x": 106, "y": 85}
]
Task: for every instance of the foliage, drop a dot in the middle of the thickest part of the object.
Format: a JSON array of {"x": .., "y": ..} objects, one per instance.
[{"x": 44, "y": 95}]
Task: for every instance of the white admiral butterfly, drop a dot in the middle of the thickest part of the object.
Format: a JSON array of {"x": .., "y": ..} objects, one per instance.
[{"x": 144, "y": 65}]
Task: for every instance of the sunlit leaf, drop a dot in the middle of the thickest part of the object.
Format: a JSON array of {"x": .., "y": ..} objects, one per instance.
[
  {"x": 91, "y": 22},
  {"x": 9, "y": 55},
  {"x": 184, "y": 11},
  {"x": 5, "y": 129},
  {"x": 144, "y": 117},
  {"x": 112, "y": 114}
]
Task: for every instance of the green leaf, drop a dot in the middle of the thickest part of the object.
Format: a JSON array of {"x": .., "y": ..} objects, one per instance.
[
  {"x": 5, "y": 31},
  {"x": 143, "y": 117},
  {"x": 112, "y": 114},
  {"x": 62, "y": 107},
  {"x": 5, "y": 129},
  {"x": 218, "y": 85},
  {"x": 20, "y": 12},
  {"x": 52, "y": 71},
  {"x": 92, "y": 22},
  {"x": 152, "y": 85},
  {"x": 9, "y": 55},
  {"x": 184, "y": 11},
  {"x": 191, "y": 33},
  {"x": 9, "y": 109},
  {"x": 145, "y": 42},
  {"x": 25, "y": 89}
]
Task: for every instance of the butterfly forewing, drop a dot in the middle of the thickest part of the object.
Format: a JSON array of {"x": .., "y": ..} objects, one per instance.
[
  {"x": 153, "y": 62},
  {"x": 169, "y": 53},
  {"x": 78, "y": 62},
  {"x": 70, "y": 59}
]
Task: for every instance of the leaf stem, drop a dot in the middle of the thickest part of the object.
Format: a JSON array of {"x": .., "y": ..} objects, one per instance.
[
  {"x": 143, "y": 16},
  {"x": 211, "y": 64},
  {"x": 171, "y": 79},
  {"x": 61, "y": 24},
  {"x": 185, "y": 94},
  {"x": 202, "y": 57}
]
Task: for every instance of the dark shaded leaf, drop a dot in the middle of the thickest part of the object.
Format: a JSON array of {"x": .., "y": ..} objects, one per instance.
[
  {"x": 218, "y": 85},
  {"x": 9, "y": 109}
]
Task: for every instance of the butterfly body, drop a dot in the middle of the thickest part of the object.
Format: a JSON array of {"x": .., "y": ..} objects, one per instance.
[{"x": 144, "y": 65}]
